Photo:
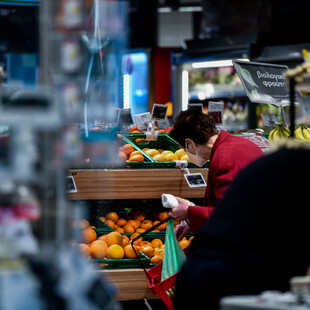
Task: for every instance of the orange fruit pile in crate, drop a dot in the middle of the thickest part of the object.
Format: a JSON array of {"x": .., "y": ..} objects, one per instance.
[{"x": 116, "y": 245}]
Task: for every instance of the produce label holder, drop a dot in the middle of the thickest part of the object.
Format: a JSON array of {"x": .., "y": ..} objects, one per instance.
[
  {"x": 269, "y": 120},
  {"x": 71, "y": 187},
  {"x": 266, "y": 83},
  {"x": 195, "y": 180}
]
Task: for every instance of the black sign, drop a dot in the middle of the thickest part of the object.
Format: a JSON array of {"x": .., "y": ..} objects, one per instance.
[{"x": 265, "y": 83}]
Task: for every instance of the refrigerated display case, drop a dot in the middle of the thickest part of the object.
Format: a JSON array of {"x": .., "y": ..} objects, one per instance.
[{"x": 200, "y": 80}]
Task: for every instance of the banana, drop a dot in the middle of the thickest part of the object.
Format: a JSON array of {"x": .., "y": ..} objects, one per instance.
[
  {"x": 287, "y": 130},
  {"x": 305, "y": 132},
  {"x": 298, "y": 134},
  {"x": 270, "y": 137}
]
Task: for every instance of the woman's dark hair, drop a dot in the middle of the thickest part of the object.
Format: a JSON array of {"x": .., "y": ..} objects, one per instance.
[{"x": 195, "y": 125}]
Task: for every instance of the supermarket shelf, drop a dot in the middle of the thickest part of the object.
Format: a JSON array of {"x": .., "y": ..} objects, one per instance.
[
  {"x": 124, "y": 279},
  {"x": 96, "y": 184}
]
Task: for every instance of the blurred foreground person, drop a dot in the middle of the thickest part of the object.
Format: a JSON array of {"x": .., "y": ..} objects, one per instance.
[
  {"x": 228, "y": 154},
  {"x": 257, "y": 237}
]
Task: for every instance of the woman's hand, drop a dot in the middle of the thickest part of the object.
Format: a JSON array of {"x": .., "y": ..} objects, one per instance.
[
  {"x": 181, "y": 230},
  {"x": 180, "y": 211}
]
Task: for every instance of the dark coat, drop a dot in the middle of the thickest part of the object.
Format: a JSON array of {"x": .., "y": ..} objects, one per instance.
[{"x": 258, "y": 236}]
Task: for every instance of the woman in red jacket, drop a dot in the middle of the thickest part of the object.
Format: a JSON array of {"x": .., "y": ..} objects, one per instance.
[{"x": 228, "y": 154}]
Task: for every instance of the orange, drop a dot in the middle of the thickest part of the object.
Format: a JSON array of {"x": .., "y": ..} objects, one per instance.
[
  {"x": 139, "y": 140},
  {"x": 162, "y": 226},
  {"x": 110, "y": 223},
  {"x": 151, "y": 152},
  {"x": 166, "y": 152},
  {"x": 160, "y": 150},
  {"x": 127, "y": 149},
  {"x": 113, "y": 216},
  {"x": 140, "y": 230},
  {"x": 136, "y": 131},
  {"x": 144, "y": 242},
  {"x": 122, "y": 156},
  {"x": 147, "y": 250},
  {"x": 184, "y": 243},
  {"x": 125, "y": 242},
  {"x": 160, "y": 158},
  {"x": 156, "y": 259},
  {"x": 102, "y": 218},
  {"x": 115, "y": 251},
  {"x": 163, "y": 215},
  {"x": 84, "y": 249},
  {"x": 185, "y": 157},
  {"x": 133, "y": 127},
  {"x": 134, "y": 235},
  {"x": 129, "y": 251},
  {"x": 180, "y": 153},
  {"x": 128, "y": 228},
  {"x": 159, "y": 252},
  {"x": 114, "y": 237},
  {"x": 103, "y": 237},
  {"x": 139, "y": 215},
  {"x": 125, "y": 238},
  {"x": 98, "y": 250},
  {"x": 137, "y": 157},
  {"x": 135, "y": 153},
  {"x": 121, "y": 222},
  {"x": 171, "y": 157},
  {"x": 146, "y": 224},
  {"x": 88, "y": 235},
  {"x": 146, "y": 148},
  {"x": 134, "y": 223},
  {"x": 191, "y": 238},
  {"x": 120, "y": 230},
  {"x": 156, "y": 243},
  {"x": 84, "y": 223}
]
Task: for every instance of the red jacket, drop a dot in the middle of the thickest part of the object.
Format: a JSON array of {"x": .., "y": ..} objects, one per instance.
[{"x": 229, "y": 155}]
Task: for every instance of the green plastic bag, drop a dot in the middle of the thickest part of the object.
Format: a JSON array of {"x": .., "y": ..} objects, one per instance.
[{"x": 174, "y": 256}]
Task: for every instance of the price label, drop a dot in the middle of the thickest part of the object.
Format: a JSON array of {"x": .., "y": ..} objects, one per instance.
[
  {"x": 195, "y": 180},
  {"x": 143, "y": 120},
  {"x": 71, "y": 187},
  {"x": 216, "y": 110},
  {"x": 159, "y": 112},
  {"x": 195, "y": 106},
  {"x": 269, "y": 120}
]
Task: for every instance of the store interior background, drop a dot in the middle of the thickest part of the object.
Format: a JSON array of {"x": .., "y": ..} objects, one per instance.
[{"x": 167, "y": 36}]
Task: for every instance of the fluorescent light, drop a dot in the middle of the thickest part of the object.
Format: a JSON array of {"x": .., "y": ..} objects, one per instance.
[
  {"x": 190, "y": 9},
  {"x": 164, "y": 10},
  {"x": 214, "y": 63},
  {"x": 127, "y": 93},
  {"x": 184, "y": 90}
]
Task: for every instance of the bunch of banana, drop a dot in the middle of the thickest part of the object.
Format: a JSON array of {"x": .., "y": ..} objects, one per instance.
[
  {"x": 302, "y": 133},
  {"x": 280, "y": 132}
]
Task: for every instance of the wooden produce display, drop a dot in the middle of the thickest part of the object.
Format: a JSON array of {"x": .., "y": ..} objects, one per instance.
[
  {"x": 132, "y": 183},
  {"x": 93, "y": 184}
]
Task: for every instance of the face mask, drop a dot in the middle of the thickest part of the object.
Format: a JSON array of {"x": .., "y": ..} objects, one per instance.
[{"x": 194, "y": 158}]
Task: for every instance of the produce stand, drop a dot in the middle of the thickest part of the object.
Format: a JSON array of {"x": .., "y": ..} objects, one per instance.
[{"x": 131, "y": 183}]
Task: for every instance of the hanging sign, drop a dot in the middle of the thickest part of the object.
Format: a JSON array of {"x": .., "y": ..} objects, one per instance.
[{"x": 265, "y": 83}]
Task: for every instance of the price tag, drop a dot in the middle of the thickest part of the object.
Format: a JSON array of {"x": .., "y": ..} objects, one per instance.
[
  {"x": 159, "y": 112},
  {"x": 71, "y": 187},
  {"x": 125, "y": 117},
  {"x": 195, "y": 106},
  {"x": 216, "y": 110},
  {"x": 143, "y": 120},
  {"x": 195, "y": 180},
  {"x": 269, "y": 120}
]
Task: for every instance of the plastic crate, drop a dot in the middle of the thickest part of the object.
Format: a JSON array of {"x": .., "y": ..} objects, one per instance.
[
  {"x": 124, "y": 263},
  {"x": 164, "y": 141}
]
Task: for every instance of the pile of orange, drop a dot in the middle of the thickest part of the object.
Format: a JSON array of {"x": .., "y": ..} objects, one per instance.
[
  {"x": 162, "y": 155},
  {"x": 137, "y": 222},
  {"x": 128, "y": 153},
  {"x": 114, "y": 245}
]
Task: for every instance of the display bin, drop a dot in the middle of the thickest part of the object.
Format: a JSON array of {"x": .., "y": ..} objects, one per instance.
[
  {"x": 124, "y": 263},
  {"x": 164, "y": 141}
]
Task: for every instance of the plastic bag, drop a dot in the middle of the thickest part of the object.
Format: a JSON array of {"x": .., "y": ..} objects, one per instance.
[{"x": 174, "y": 256}]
